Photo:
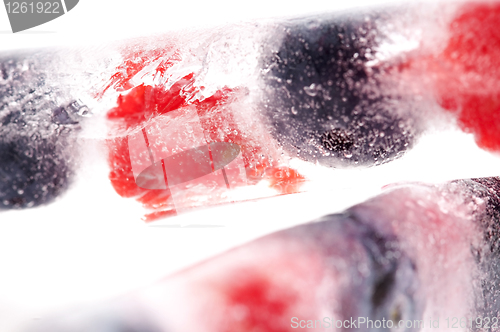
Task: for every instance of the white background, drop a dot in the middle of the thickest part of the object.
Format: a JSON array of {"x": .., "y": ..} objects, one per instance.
[
  {"x": 89, "y": 245},
  {"x": 93, "y": 20}
]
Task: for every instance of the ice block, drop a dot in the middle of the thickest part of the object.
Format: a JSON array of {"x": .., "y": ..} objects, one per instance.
[
  {"x": 334, "y": 90},
  {"x": 410, "y": 259},
  {"x": 200, "y": 118}
]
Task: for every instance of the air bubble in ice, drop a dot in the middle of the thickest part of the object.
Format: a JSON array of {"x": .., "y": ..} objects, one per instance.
[{"x": 312, "y": 90}]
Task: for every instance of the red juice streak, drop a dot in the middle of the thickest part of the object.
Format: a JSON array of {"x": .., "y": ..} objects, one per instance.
[
  {"x": 145, "y": 135},
  {"x": 164, "y": 173},
  {"x": 468, "y": 72}
]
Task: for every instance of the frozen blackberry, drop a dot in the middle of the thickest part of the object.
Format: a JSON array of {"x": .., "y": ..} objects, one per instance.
[
  {"x": 36, "y": 126},
  {"x": 324, "y": 102}
]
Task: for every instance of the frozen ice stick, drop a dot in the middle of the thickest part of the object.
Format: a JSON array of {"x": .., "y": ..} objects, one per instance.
[
  {"x": 340, "y": 90},
  {"x": 328, "y": 89},
  {"x": 412, "y": 258}
]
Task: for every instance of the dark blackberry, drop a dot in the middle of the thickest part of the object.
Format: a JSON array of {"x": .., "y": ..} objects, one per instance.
[
  {"x": 38, "y": 123},
  {"x": 324, "y": 101}
]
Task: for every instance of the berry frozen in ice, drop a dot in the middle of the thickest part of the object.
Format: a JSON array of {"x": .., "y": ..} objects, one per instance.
[
  {"x": 37, "y": 127},
  {"x": 194, "y": 123},
  {"x": 469, "y": 80},
  {"x": 398, "y": 257},
  {"x": 323, "y": 100}
]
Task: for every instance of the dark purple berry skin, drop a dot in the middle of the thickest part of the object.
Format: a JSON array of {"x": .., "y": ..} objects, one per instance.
[
  {"x": 37, "y": 128},
  {"x": 324, "y": 101}
]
